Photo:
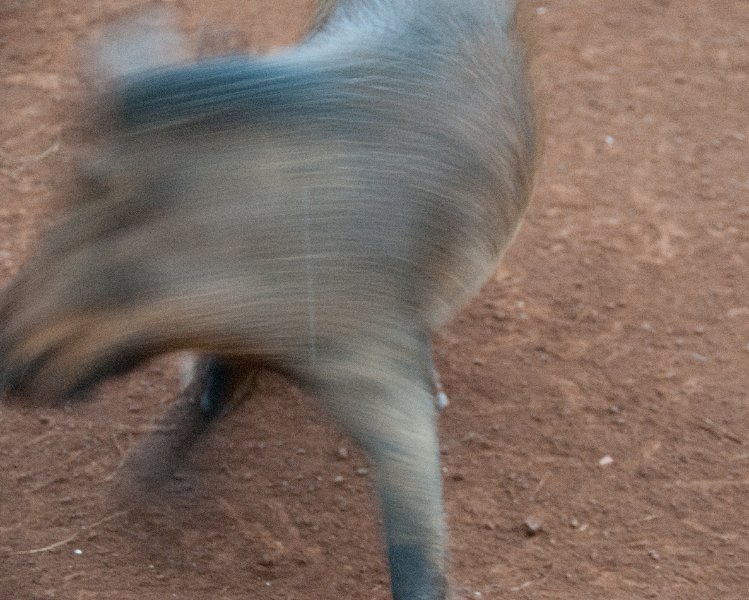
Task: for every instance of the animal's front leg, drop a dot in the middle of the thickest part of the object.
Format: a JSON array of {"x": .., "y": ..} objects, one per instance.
[{"x": 386, "y": 404}]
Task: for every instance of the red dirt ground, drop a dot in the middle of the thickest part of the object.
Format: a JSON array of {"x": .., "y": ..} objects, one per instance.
[{"x": 617, "y": 326}]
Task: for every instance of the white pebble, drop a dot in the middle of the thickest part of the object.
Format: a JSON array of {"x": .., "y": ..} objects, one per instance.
[
  {"x": 606, "y": 460},
  {"x": 78, "y": 551},
  {"x": 609, "y": 139}
]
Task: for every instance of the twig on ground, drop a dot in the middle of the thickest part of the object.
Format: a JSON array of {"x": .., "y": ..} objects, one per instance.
[
  {"x": 72, "y": 537},
  {"x": 719, "y": 431},
  {"x": 539, "y": 486}
]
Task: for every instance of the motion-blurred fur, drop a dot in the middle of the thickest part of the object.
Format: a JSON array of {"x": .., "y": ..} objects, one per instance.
[{"x": 317, "y": 212}]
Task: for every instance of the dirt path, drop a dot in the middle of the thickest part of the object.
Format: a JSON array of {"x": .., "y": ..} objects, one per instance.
[{"x": 617, "y": 327}]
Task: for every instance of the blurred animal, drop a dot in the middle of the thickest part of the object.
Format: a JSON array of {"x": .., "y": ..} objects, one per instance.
[{"x": 317, "y": 212}]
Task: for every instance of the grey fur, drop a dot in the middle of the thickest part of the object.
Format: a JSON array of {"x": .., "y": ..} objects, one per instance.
[{"x": 317, "y": 212}]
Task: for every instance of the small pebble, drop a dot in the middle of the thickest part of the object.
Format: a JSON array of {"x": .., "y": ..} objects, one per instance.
[
  {"x": 266, "y": 560},
  {"x": 606, "y": 460},
  {"x": 362, "y": 471},
  {"x": 78, "y": 551},
  {"x": 654, "y": 555},
  {"x": 532, "y": 526},
  {"x": 338, "y": 480},
  {"x": 342, "y": 453}
]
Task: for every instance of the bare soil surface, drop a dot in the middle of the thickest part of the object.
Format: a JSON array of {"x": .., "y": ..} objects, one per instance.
[{"x": 599, "y": 385}]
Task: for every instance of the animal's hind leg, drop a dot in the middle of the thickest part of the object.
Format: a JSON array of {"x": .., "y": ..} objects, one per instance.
[
  {"x": 383, "y": 398},
  {"x": 214, "y": 385}
]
